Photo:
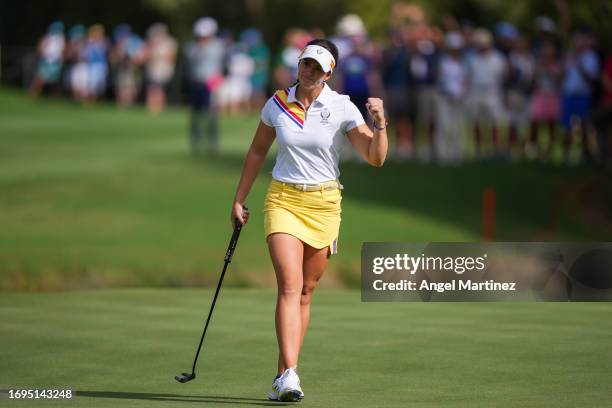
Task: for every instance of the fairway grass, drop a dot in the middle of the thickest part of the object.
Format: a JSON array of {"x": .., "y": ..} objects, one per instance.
[
  {"x": 94, "y": 197},
  {"x": 122, "y": 348}
]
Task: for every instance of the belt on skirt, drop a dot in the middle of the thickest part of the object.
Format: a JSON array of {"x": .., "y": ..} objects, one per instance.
[{"x": 329, "y": 185}]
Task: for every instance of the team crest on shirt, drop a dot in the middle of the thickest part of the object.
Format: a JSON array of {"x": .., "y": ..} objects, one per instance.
[{"x": 325, "y": 114}]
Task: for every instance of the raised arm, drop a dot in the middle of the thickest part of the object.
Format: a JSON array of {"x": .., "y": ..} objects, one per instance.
[
  {"x": 372, "y": 146},
  {"x": 264, "y": 136}
]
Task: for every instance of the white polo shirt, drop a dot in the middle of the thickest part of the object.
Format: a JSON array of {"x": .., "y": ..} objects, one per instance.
[{"x": 309, "y": 142}]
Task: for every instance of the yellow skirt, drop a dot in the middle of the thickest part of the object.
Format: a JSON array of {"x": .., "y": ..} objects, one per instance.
[{"x": 311, "y": 216}]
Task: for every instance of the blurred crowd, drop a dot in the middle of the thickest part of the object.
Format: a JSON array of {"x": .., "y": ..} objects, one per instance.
[
  {"x": 88, "y": 64},
  {"x": 467, "y": 92},
  {"x": 496, "y": 86},
  {"x": 85, "y": 63}
]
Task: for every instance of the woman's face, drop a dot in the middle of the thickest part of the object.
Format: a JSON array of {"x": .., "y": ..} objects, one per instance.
[{"x": 310, "y": 73}]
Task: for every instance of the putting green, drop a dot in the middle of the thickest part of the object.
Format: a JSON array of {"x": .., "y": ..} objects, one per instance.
[{"x": 122, "y": 348}]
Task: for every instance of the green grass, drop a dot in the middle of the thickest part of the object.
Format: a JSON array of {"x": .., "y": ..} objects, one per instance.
[
  {"x": 121, "y": 348},
  {"x": 99, "y": 197}
]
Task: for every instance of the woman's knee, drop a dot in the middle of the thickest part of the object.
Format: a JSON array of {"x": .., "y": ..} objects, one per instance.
[
  {"x": 288, "y": 288},
  {"x": 307, "y": 290}
]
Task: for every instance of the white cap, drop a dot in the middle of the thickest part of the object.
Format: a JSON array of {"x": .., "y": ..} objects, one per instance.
[
  {"x": 205, "y": 27},
  {"x": 350, "y": 24},
  {"x": 321, "y": 55}
]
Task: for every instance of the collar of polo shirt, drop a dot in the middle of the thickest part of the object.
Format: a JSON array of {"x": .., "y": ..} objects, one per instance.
[{"x": 323, "y": 98}]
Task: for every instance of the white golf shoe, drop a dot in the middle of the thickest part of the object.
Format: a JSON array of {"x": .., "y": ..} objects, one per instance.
[
  {"x": 273, "y": 394},
  {"x": 286, "y": 387}
]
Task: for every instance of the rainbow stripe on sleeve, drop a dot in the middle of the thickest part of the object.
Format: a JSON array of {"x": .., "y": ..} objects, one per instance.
[{"x": 292, "y": 109}]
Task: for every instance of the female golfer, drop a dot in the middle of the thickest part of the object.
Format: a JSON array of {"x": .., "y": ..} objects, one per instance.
[{"x": 302, "y": 206}]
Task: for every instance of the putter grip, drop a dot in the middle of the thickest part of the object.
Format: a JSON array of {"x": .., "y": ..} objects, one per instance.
[{"x": 232, "y": 245}]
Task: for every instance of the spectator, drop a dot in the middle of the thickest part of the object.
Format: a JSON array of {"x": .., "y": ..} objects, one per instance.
[
  {"x": 348, "y": 28},
  {"x": 506, "y": 35},
  {"x": 395, "y": 80},
  {"x": 469, "y": 49},
  {"x": 126, "y": 57},
  {"x": 350, "y": 31},
  {"x": 546, "y": 33},
  {"x": 260, "y": 54},
  {"x": 50, "y": 52},
  {"x": 161, "y": 49},
  {"x": 205, "y": 57},
  {"x": 95, "y": 52},
  {"x": 518, "y": 92},
  {"x": 358, "y": 72},
  {"x": 487, "y": 69},
  {"x": 235, "y": 94},
  {"x": 603, "y": 115},
  {"x": 448, "y": 142},
  {"x": 423, "y": 72},
  {"x": 79, "y": 75},
  {"x": 72, "y": 56},
  {"x": 545, "y": 106},
  {"x": 358, "y": 75},
  {"x": 579, "y": 80}
]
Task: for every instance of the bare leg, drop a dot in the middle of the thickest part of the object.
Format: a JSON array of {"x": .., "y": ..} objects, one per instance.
[
  {"x": 315, "y": 261},
  {"x": 314, "y": 264},
  {"x": 156, "y": 99},
  {"x": 287, "y": 253},
  {"x": 36, "y": 88}
]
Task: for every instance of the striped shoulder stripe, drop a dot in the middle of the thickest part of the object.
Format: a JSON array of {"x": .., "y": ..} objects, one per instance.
[
  {"x": 287, "y": 112},
  {"x": 293, "y": 110}
]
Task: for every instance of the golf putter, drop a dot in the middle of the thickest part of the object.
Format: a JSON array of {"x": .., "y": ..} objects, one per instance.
[{"x": 186, "y": 377}]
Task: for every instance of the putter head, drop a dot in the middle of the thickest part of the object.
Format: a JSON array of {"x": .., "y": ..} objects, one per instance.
[{"x": 185, "y": 377}]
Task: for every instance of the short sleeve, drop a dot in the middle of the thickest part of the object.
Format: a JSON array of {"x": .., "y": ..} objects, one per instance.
[
  {"x": 352, "y": 116},
  {"x": 266, "y": 113}
]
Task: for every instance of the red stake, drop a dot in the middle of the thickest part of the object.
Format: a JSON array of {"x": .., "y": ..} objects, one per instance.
[{"x": 488, "y": 214}]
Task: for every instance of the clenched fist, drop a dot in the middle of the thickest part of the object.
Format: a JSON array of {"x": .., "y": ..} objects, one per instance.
[{"x": 377, "y": 110}]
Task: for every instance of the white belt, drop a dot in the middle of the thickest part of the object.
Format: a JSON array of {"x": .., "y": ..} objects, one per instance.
[{"x": 329, "y": 185}]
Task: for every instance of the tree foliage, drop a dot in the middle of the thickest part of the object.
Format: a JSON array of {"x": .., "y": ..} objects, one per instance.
[{"x": 22, "y": 22}]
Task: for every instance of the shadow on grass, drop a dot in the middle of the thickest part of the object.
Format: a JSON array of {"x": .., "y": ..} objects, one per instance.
[{"x": 179, "y": 398}]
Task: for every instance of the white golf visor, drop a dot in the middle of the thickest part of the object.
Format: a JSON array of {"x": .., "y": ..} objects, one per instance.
[{"x": 321, "y": 55}]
